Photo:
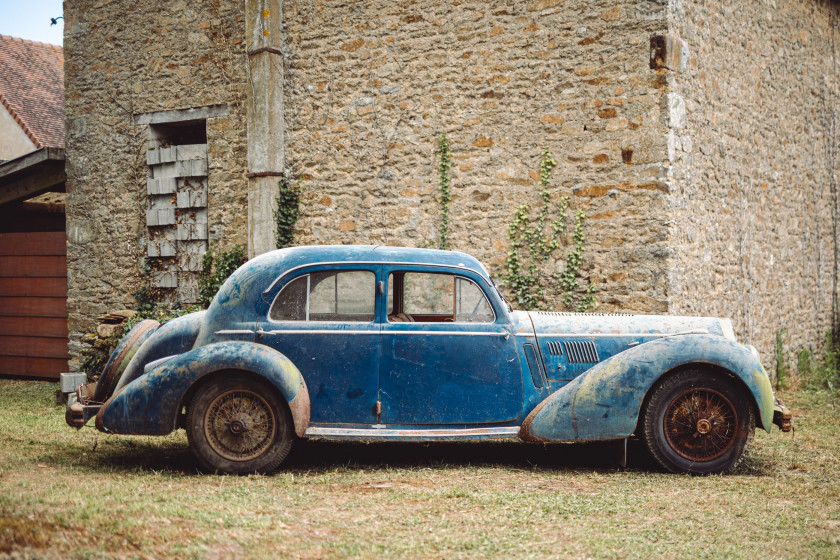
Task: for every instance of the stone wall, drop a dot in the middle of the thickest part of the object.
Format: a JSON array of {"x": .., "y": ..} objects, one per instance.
[
  {"x": 369, "y": 86},
  {"x": 753, "y": 152},
  {"x": 707, "y": 191},
  {"x": 126, "y": 58}
]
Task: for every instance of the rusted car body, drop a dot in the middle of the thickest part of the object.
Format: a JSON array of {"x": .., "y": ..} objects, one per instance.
[{"x": 395, "y": 344}]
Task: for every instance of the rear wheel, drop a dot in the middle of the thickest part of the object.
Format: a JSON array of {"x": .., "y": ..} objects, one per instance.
[
  {"x": 239, "y": 425},
  {"x": 698, "y": 422}
]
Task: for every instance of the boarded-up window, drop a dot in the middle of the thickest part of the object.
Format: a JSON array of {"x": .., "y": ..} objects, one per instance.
[{"x": 177, "y": 213}]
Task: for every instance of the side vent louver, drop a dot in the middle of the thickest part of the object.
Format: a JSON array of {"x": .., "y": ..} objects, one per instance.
[
  {"x": 555, "y": 348},
  {"x": 581, "y": 351}
]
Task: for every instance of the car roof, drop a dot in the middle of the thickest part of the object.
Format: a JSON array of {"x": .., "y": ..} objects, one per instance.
[
  {"x": 243, "y": 291},
  {"x": 294, "y": 257}
]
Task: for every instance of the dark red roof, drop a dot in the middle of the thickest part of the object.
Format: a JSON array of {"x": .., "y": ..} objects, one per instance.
[{"x": 32, "y": 88}]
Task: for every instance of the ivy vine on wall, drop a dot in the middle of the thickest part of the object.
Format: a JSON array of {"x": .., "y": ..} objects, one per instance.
[
  {"x": 215, "y": 270},
  {"x": 289, "y": 193},
  {"x": 444, "y": 195},
  {"x": 534, "y": 241}
]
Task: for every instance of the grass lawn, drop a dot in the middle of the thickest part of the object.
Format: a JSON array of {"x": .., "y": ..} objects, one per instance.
[{"x": 85, "y": 494}]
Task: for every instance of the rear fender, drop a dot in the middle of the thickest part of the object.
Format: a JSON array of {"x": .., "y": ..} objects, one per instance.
[
  {"x": 605, "y": 401},
  {"x": 173, "y": 337},
  {"x": 150, "y": 404}
]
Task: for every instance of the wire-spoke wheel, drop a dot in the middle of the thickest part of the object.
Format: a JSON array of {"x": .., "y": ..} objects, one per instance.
[
  {"x": 239, "y": 425},
  {"x": 698, "y": 422}
]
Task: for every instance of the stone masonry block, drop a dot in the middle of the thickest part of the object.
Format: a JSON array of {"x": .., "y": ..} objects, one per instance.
[
  {"x": 164, "y": 170},
  {"x": 191, "y": 168},
  {"x": 165, "y": 279},
  {"x": 192, "y": 232},
  {"x": 163, "y": 185},
  {"x": 161, "y": 247},
  {"x": 191, "y": 199},
  {"x": 191, "y": 151},
  {"x": 153, "y": 157},
  {"x": 160, "y": 217}
]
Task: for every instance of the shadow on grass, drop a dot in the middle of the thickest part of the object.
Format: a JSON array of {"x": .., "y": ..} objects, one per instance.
[{"x": 116, "y": 453}]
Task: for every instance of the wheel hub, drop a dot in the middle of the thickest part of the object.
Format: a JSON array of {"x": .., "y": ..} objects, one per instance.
[
  {"x": 704, "y": 426},
  {"x": 237, "y": 427}
]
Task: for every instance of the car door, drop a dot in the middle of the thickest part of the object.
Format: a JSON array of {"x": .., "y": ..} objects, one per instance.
[
  {"x": 447, "y": 353},
  {"x": 324, "y": 320}
]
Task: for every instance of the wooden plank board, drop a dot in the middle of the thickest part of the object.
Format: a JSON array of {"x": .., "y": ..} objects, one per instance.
[
  {"x": 48, "y": 368},
  {"x": 33, "y": 306},
  {"x": 50, "y": 327},
  {"x": 41, "y": 243},
  {"x": 33, "y": 267},
  {"x": 34, "y": 346},
  {"x": 38, "y": 287}
]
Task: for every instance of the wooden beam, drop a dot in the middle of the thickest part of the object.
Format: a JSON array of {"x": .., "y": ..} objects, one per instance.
[
  {"x": 32, "y": 185},
  {"x": 31, "y": 159}
]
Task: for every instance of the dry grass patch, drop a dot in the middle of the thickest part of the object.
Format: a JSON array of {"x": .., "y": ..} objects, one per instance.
[{"x": 89, "y": 495}]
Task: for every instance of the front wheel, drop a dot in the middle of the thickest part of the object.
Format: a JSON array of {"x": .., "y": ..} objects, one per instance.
[
  {"x": 699, "y": 423},
  {"x": 239, "y": 425}
]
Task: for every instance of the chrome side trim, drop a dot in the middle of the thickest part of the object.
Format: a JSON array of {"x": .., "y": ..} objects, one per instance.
[
  {"x": 388, "y": 433},
  {"x": 503, "y": 334},
  {"x": 314, "y": 331},
  {"x": 602, "y": 335},
  {"x": 234, "y": 331}
]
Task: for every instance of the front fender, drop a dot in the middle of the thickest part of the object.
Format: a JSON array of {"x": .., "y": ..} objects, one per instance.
[
  {"x": 605, "y": 401},
  {"x": 150, "y": 404}
]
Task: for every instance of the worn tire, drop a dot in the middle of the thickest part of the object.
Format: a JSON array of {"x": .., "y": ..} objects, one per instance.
[
  {"x": 239, "y": 425},
  {"x": 699, "y": 422},
  {"x": 120, "y": 358}
]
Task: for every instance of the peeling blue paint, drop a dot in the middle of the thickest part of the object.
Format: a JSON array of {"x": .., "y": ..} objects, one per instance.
[
  {"x": 576, "y": 411},
  {"x": 150, "y": 405}
]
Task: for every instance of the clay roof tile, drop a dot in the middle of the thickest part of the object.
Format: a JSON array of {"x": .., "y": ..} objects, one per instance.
[{"x": 32, "y": 88}]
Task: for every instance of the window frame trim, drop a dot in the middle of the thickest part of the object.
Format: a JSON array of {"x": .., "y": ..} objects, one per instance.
[
  {"x": 308, "y": 274},
  {"x": 455, "y": 276}
]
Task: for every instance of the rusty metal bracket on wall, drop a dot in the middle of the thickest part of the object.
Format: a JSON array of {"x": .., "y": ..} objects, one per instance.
[{"x": 668, "y": 51}]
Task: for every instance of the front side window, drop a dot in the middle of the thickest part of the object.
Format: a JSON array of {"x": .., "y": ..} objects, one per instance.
[
  {"x": 347, "y": 296},
  {"x": 433, "y": 298}
]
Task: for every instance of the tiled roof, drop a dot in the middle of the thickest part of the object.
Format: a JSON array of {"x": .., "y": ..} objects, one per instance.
[{"x": 32, "y": 88}]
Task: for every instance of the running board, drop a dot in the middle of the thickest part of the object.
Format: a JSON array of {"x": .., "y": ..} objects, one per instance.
[{"x": 387, "y": 434}]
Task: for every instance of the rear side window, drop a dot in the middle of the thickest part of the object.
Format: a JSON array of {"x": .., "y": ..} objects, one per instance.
[
  {"x": 347, "y": 295},
  {"x": 427, "y": 297}
]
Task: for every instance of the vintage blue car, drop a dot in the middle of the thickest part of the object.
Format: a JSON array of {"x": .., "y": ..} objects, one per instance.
[{"x": 394, "y": 344}]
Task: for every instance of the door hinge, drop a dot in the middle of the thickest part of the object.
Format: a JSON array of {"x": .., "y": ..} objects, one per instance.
[{"x": 377, "y": 409}]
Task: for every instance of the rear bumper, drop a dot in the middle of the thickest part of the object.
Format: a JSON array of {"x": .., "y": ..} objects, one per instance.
[
  {"x": 782, "y": 416},
  {"x": 79, "y": 407}
]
